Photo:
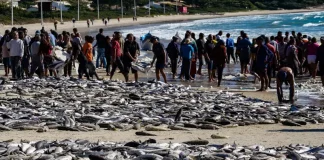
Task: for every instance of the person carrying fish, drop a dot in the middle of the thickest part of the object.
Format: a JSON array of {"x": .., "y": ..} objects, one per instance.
[
  {"x": 285, "y": 75},
  {"x": 160, "y": 56},
  {"x": 131, "y": 50},
  {"x": 173, "y": 53}
]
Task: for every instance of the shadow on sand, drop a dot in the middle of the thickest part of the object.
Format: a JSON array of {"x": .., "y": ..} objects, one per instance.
[{"x": 297, "y": 130}]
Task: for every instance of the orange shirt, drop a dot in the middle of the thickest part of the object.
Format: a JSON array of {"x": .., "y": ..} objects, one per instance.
[{"x": 87, "y": 51}]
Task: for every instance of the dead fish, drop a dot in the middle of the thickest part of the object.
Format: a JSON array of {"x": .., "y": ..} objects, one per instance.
[
  {"x": 217, "y": 136},
  {"x": 290, "y": 123},
  {"x": 196, "y": 142},
  {"x": 153, "y": 128},
  {"x": 142, "y": 133}
]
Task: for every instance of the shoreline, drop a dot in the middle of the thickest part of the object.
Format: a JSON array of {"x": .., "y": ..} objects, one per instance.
[{"x": 128, "y": 22}]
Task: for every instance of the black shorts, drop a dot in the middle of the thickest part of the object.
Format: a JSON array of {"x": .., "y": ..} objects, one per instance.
[
  {"x": 128, "y": 66},
  {"x": 47, "y": 61}
]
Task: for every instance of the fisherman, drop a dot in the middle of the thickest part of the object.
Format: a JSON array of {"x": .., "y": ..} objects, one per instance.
[
  {"x": 160, "y": 56},
  {"x": 131, "y": 51},
  {"x": 209, "y": 46},
  {"x": 173, "y": 53},
  {"x": 285, "y": 75},
  {"x": 264, "y": 56}
]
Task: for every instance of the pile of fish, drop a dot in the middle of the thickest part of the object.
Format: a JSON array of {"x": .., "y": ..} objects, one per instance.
[
  {"x": 79, "y": 105},
  {"x": 150, "y": 149}
]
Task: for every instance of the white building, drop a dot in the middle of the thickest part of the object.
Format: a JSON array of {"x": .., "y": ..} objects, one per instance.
[{"x": 8, "y": 2}]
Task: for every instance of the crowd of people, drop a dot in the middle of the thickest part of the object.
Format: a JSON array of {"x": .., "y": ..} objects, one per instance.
[{"x": 25, "y": 55}]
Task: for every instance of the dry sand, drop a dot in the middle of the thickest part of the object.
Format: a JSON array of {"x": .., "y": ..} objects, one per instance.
[
  {"x": 267, "y": 135},
  {"x": 82, "y": 25}
]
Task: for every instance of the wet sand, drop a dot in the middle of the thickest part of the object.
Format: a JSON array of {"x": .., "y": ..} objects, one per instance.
[{"x": 267, "y": 135}]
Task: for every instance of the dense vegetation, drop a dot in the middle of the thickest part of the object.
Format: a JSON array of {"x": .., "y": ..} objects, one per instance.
[{"x": 111, "y": 8}]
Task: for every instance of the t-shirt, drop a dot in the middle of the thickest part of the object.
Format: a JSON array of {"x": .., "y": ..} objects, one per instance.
[
  {"x": 312, "y": 49},
  {"x": 158, "y": 50},
  {"x": 87, "y": 51},
  {"x": 209, "y": 46},
  {"x": 101, "y": 40},
  {"x": 229, "y": 43},
  {"x": 115, "y": 46},
  {"x": 201, "y": 46},
  {"x": 35, "y": 48},
  {"x": 130, "y": 47}
]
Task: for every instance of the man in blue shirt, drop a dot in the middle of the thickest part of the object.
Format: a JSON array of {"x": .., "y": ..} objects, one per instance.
[
  {"x": 186, "y": 53},
  {"x": 230, "y": 48},
  {"x": 244, "y": 47},
  {"x": 264, "y": 57}
]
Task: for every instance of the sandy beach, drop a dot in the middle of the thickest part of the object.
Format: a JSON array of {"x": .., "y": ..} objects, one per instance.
[{"x": 82, "y": 25}]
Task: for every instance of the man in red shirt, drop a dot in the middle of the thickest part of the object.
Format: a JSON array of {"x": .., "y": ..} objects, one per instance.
[
  {"x": 116, "y": 58},
  {"x": 271, "y": 65}
]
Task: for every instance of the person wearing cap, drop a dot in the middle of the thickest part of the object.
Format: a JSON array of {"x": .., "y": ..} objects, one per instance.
[
  {"x": 285, "y": 75},
  {"x": 160, "y": 57},
  {"x": 5, "y": 53},
  {"x": 263, "y": 59},
  {"x": 186, "y": 53},
  {"x": 173, "y": 54},
  {"x": 201, "y": 51},
  {"x": 320, "y": 59},
  {"x": 230, "y": 48}
]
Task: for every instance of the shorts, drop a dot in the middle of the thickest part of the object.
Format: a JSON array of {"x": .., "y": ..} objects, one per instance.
[
  {"x": 311, "y": 59},
  {"x": 6, "y": 62},
  {"x": 159, "y": 66},
  {"x": 128, "y": 66},
  {"x": 211, "y": 65},
  {"x": 261, "y": 71},
  {"x": 47, "y": 61}
]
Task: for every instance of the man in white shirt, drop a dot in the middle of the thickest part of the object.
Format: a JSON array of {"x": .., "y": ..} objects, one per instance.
[{"x": 16, "y": 47}]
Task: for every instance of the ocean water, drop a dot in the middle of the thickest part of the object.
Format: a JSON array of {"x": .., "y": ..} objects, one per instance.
[{"x": 310, "y": 23}]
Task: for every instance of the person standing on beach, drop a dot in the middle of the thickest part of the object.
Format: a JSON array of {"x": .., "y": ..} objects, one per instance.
[
  {"x": 87, "y": 51},
  {"x": 186, "y": 53},
  {"x": 292, "y": 57},
  {"x": 311, "y": 56},
  {"x": 5, "y": 52},
  {"x": 108, "y": 54},
  {"x": 173, "y": 53},
  {"x": 320, "y": 60},
  {"x": 285, "y": 75},
  {"x": 88, "y": 23},
  {"x": 55, "y": 24},
  {"x": 193, "y": 68},
  {"x": 36, "y": 58},
  {"x": 281, "y": 51},
  {"x": 230, "y": 48},
  {"x": 209, "y": 46},
  {"x": 101, "y": 44},
  {"x": 68, "y": 48},
  {"x": 272, "y": 59},
  {"x": 16, "y": 47},
  {"x": 160, "y": 56},
  {"x": 116, "y": 57},
  {"x": 131, "y": 50},
  {"x": 220, "y": 59},
  {"x": 244, "y": 46},
  {"x": 106, "y": 22},
  {"x": 274, "y": 43},
  {"x": 118, "y": 19},
  {"x": 262, "y": 61},
  {"x": 201, "y": 51},
  {"x": 26, "y": 57},
  {"x": 73, "y": 21},
  {"x": 286, "y": 39}
]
